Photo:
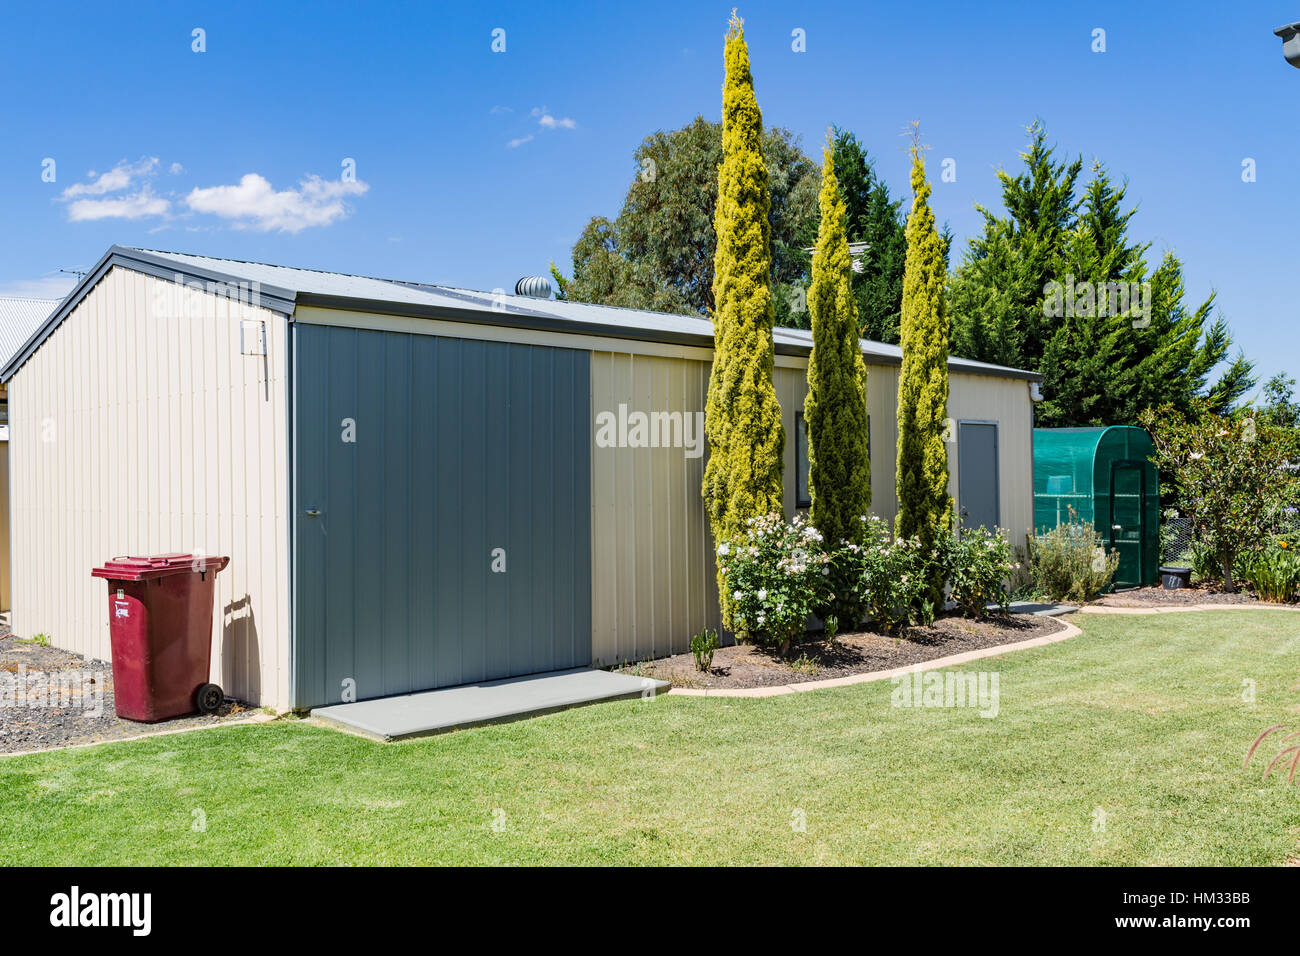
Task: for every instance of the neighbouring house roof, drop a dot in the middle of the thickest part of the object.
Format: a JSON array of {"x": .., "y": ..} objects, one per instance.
[
  {"x": 20, "y": 317},
  {"x": 283, "y": 288}
]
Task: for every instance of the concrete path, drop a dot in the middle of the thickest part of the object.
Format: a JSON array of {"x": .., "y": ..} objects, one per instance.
[
  {"x": 471, "y": 705},
  {"x": 1035, "y": 608},
  {"x": 1184, "y": 608}
]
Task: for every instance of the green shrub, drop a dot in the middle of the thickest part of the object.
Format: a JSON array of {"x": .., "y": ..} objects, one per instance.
[
  {"x": 892, "y": 576},
  {"x": 803, "y": 664},
  {"x": 703, "y": 646},
  {"x": 979, "y": 563},
  {"x": 777, "y": 576},
  {"x": 1274, "y": 572},
  {"x": 1069, "y": 562},
  {"x": 830, "y": 627}
]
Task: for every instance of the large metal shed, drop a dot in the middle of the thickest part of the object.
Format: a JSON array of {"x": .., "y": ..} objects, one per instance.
[
  {"x": 19, "y": 317},
  {"x": 419, "y": 486}
]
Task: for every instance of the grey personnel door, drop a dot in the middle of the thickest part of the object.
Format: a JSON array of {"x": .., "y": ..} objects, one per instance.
[
  {"x": 977, "y": 474},
  {"x": 441, "y": 511}
]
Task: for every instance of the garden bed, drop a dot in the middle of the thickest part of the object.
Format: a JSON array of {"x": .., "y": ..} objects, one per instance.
[
  {"x": 748, "y": 665},
  {"x": 65, "y": 699},
  {"x": 1159, "y": 597}
]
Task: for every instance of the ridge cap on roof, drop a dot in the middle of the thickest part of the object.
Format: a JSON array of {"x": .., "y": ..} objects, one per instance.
[{"x": 276, "y": 265}]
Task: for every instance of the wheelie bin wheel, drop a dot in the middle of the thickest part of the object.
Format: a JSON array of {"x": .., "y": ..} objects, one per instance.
[{"x": 208, "y": 698}]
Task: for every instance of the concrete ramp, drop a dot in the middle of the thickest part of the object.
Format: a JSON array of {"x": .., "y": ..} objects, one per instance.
[{"x": 472, "y": 705}]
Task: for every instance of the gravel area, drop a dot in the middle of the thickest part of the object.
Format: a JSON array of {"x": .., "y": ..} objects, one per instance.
[
  {"x": 746, "y": 665},
  {"x": 51, "y": 698},
  {"x": 1159, "y": 597}
]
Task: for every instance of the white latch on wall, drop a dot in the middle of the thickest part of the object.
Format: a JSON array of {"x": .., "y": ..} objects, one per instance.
[{"x": 252, "y": 337}]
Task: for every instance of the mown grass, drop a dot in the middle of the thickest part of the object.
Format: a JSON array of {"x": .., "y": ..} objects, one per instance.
[{"x": 1142, "y": 718}]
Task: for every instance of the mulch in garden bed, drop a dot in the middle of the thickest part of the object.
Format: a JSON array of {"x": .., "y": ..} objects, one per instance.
[
  {"x": 67, "y": 699},
  {"x": 1180, "y": 597},
  {"x": 748, "y": 665}
]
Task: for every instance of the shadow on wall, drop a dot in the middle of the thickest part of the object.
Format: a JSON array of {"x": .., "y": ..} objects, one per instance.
[{"x": 241, "y": 657}]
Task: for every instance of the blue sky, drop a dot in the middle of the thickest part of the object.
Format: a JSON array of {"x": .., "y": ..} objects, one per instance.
[{"x": 238, "y": 151}]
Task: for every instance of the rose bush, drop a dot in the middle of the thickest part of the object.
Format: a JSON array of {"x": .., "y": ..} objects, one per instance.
[
  {"x": 777, "y": 574},
  {"x": 978, "y": 564}
]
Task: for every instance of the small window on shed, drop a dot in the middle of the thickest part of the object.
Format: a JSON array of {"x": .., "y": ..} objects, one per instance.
[{"x": 801, "y": 497}]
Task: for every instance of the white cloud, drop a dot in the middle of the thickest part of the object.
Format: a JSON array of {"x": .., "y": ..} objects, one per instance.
[
  {"x": 118, "y": 178},
  {"x": 254, "y": 204},
  {"x": 547, "y": 121},
  {"x": 175, "y": 169},
  {"x": 137, "y": 205},
  {"x": 46, "y": 287},
  {"x": 519, "y": 142},
  {"x": 501, "y": 109}
]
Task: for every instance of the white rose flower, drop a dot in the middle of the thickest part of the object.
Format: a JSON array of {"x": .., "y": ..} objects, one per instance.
[{"x": 762, "y": 594}]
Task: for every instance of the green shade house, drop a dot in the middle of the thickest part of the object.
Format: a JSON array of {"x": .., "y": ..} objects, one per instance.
[{"x": 1106, "y": 476}]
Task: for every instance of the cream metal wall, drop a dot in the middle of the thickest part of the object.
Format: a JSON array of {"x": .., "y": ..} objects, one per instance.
[
  {"x": 1005, "y": 401},
  {"x": 652, "y": 575},
  {"x": 5, "y": 560},
  {"x": 139, "y": 428},
  {"x": 653, "y": 582}
]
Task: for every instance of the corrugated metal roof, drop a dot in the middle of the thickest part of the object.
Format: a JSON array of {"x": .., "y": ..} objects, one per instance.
[
  {"x": 334, "y": 284},
  {"x": 19, "y": 318},
  {"x": 282, "y": 288}
]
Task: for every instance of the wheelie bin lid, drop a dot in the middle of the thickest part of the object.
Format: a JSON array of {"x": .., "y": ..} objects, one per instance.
[{"x": 156, "y": 566}]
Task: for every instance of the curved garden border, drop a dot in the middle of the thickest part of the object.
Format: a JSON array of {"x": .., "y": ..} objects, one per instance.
[{"x": 1069, "y": 631}]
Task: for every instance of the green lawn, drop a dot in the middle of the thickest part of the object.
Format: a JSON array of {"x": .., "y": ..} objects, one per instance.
[{"x": 1141, "y": 716}]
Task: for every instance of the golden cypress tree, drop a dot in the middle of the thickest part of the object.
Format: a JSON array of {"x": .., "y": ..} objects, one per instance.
[
  {"x": 839, "y": 466},
  {"x": 924, "y": 505},
  {"x": 743, "y": 417}
]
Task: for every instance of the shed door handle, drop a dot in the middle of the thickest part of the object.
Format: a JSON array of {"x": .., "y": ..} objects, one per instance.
[{"x": 312, "y": 512}]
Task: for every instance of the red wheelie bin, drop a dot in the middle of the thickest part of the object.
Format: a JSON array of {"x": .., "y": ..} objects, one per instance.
[{"x": 160, "y": 623}]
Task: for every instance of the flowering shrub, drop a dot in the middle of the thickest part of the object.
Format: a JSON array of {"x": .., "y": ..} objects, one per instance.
[
  {"x": 777, "y": 576},
  {"x": 977, "y": 563},
  {"x": 1231, "y": 476},
  {"x": 887, "y": 577},
  {"x": 847, "y": 601}
]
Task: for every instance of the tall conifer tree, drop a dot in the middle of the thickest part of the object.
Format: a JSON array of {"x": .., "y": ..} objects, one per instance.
[
  {"x": 743, "y": 417},
  {"x": 839, "y": 469},
  {"x": 924, "y": 505}
]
